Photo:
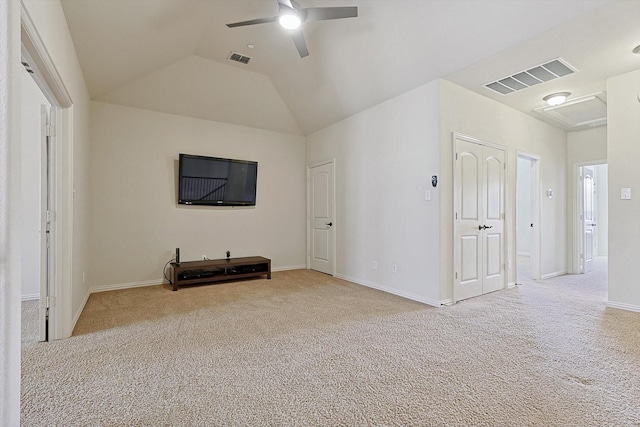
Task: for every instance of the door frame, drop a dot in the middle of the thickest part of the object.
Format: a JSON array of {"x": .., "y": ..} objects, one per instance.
[
  {"x": 331, "y": 162},
  {"x": 505, "y": 251},
  {"x": 48, "y": 79},
  {"x": 536, "y": 214},
  {"x": 578, "y": 225}
]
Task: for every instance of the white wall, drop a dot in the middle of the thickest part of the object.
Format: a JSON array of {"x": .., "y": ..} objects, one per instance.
[
  {"x": 136, "y": 223},
  {"x": 523, "y": 207},
  {"x": 623, "y": 152},
  {"x": 602, "y": 209},
  {"x": 385, "y": 157},
  {"x": 588, "y": 145},
  {"x": 471, "y": 114},
  {"x": 50, "y": 22},
  {"x": 209, "y": 90},
  {"x": 32, "y": 100},
  {"x": 10, "y": 94}
]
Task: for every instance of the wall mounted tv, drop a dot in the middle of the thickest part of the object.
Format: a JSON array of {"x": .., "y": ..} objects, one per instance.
[{"x": 216, "y": 182}]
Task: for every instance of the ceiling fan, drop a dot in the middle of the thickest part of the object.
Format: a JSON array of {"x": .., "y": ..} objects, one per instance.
[{"x": 291, "y": 16}]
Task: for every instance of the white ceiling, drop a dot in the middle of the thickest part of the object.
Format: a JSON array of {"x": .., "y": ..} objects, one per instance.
[{"x": 171, "y": 55}]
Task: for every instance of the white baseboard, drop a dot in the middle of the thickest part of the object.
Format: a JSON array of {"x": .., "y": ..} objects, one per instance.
[
  {"x": 289, "y": 267},
  {"x": 106, "y": 288},
  {"x": 79, "y": 312},
  {"x": 623, "y": 306},
  {"x": 30, "y": 297},
  {"x": 511, "y": 285},
  {"x": 556, "y": 274},
  {"x": 388, "y": 290},
  {"x": 130, "y": 285}
]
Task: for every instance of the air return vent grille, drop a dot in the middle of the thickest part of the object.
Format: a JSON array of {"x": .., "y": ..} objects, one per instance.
[
  {"x": 533, "y": 76},
  {"x": 238, "y": 57}
]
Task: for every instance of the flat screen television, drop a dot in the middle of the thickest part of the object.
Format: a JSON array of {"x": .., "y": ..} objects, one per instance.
[{"x": 216, "y": 182}]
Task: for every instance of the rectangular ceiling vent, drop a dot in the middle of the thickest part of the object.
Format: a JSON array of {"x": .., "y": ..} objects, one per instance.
[
  {"x": 238, "y": 57},
  {"x": 531, "y": 77}
]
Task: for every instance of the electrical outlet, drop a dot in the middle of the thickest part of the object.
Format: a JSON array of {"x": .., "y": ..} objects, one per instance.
[
  {"x": 204, "y": 258},
  {"x": 394, "y": 268},
  {"x": 374, "y": 265}
]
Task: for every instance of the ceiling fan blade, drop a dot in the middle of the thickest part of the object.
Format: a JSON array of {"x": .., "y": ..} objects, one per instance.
[
  {"x": 301, "y": 44},
  {"x": 253, "y": 22},
  {"x": 324, "y": 13},
  {"x": 286, "y": 3}
]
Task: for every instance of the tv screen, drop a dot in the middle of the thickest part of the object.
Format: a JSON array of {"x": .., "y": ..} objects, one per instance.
[{"x": 216, "y": 182}]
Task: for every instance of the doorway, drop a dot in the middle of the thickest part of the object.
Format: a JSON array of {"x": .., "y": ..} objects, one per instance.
[
  {"x": 528, "y": 223},
  {"x": 592, "y": 216},
  {"x": 57, "y": 206},
  {"x": 321, "y": 217},
  {"x": 479, "y": 216},
  {"x": 35, "y": 191}
]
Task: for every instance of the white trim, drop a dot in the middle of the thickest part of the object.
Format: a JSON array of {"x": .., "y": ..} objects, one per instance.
[
  {"x": 45, "y": 73},
  {"x": 396, "y": 292},
  {"x": 30, "y": 297},
  {"x": 143, "y": 283},
  {"x": 80, "y": 310},
  {"x": 458, "y": 135},
  {"x": 289, "y": 267},
  {"x": 552, "y": 275},
  {"x": 511, "y": 285},
  {"x": 524, "y": 254},
  {"x": 623, "y": 306},
  {"x": 105, "y": 288}
]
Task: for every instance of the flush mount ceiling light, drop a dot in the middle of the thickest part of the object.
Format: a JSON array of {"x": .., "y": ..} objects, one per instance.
[
  {"x": 556, "y": 98},
  {"x": 289, "y": 19}
]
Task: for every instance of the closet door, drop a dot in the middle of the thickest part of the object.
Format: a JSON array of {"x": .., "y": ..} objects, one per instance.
[{"x": 479, "y": 184}]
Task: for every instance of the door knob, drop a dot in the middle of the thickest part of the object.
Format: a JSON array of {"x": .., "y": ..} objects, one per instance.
[
  {"x": 329, "y": 224},
  {"x": 484, "y": 227}
]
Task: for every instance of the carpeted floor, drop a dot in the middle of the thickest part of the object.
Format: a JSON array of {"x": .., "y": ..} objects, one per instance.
[{"x": 305, "y": 349}]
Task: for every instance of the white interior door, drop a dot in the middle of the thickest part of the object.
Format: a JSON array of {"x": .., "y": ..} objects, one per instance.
[
  {"x": 479, "y": 219},
  {"x": 46, "y": 234},
  {"x": 588, "y": 218},
  {"x": 321, "y": 218}
]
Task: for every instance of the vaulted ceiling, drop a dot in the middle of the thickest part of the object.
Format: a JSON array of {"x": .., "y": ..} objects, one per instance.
[{"x": 172, "y": 55}]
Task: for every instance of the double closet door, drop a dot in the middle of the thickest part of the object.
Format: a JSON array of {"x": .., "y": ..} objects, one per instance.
[{"x": 479, "y": 193}]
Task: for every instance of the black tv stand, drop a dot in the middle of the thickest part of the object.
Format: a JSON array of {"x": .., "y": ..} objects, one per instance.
[{"x": 215, "y": 270}]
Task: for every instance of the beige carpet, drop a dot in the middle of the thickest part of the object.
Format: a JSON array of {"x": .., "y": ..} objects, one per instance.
[{"x": 305, "y": 349}]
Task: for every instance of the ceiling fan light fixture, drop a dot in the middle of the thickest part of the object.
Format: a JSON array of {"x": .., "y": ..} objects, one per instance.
[
  {"x": 290, "y": 20},
  {"x": 555, "y": 99}
]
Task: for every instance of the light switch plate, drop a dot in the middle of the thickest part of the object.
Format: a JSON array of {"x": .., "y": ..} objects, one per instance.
[{"x": 625, "y": 194}]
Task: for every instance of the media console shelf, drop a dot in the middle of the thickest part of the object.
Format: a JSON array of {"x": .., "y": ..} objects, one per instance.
[{"x": 215, "y": 270}]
